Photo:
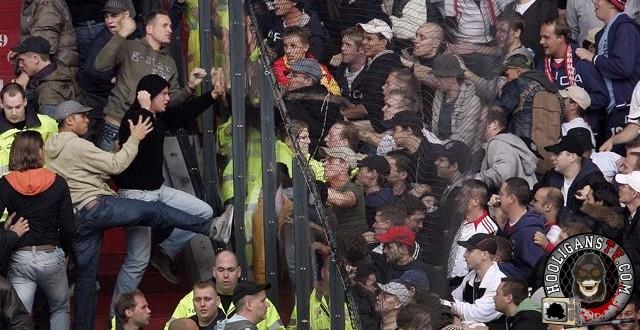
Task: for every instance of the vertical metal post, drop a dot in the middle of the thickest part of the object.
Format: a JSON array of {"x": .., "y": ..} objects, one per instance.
[
  {"x": 209, "y": 162},
  {"x": 336, "y": 297},
  {"x": 301, "y": 241},
  {"x": 238, "y": 82},
  {"x": 269, "y": 184}
]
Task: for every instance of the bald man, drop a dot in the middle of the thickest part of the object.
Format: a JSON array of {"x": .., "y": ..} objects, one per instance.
[
  {"x": 226, "y": 272},
  {"x": 183, "y": 324}
]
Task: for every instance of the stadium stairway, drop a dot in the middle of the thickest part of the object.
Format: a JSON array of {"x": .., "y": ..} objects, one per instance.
[{"x": 161, "y": 295}]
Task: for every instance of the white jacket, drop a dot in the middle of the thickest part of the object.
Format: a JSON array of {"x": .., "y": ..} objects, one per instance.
[
  {"x": 414, "y": 14},
  {"x": 482, "y": 310}
]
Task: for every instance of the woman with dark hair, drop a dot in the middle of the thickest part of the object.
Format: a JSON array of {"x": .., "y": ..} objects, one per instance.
[{"x": 42, "y": 197}]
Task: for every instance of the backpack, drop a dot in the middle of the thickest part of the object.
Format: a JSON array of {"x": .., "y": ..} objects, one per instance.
[{"x": 546, "y": 120}]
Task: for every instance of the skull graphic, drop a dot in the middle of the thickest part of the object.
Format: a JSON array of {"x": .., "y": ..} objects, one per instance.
[{"x": 588, "y": 275}]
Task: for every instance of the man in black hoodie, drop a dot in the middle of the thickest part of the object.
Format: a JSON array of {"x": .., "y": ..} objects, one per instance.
[
  {"x": 522, "y": 313},
  {"x": 571, "y": 172}
]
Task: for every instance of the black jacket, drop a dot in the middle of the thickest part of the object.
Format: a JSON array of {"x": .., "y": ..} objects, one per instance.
[
  {"x": 366, "y": 302},
  {"x": 589, "y": 174},
  {"x": 145, "y": 172},
  {"x": 374, "y": 78},
  {"x": 630, "y": 235},
  {"x": 13, "y": 315},
  {"x": 306, "y": 104},
  {"x": 45, "y": 203},
  {"x": 526, "y": 320}
]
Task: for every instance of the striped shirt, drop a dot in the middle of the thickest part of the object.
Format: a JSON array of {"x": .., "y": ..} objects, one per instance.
[{"x": 457, "y": 267}]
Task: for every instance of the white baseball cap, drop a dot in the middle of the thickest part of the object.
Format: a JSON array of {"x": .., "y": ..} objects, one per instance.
[
  {"x": 578, "y": 95},
  {"x": 377, "y": 26},
  {"x": 632, "y": 179}
]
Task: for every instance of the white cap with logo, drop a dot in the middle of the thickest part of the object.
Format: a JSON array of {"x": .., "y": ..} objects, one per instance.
[
  {"x": 377, "y": 26},
  {"x": 578, "y": 95},
  {"x": 632, "y": 179}
]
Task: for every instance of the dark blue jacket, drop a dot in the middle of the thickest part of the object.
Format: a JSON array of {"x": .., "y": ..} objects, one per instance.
[
  {"x": 587, "y": 77},
  {"x": 588, "y": 175},
  {"x": 622, "y": 65},
  {"x": 525, "y": 253}
]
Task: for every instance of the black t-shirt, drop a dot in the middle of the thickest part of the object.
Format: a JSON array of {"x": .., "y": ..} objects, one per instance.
[
  {"x": 212, "y": 325},
  {"x": 226, "y": 301}
]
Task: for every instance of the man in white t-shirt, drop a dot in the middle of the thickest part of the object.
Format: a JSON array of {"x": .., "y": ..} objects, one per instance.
[{"x": 576, "y": 101}]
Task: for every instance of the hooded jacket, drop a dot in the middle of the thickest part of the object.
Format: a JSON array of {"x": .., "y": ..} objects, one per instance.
[
  {"x": 507, "y": 156},
  {"x": 51, "y": 20},
  {"x": 622, "y": 65},
  {"x": 53, "y": 85},
  {"x": 589, "y": 174},
  {"x": 85, "y": 166},
  {"x": 136, "y": 59},
  {"x": 43, "y": 198},
  {"x": 519, "y": 108},
  {"x": 42, "y": 124},
  {"x": 525, "y": 253},
  {"x": 527, "y": 317}
]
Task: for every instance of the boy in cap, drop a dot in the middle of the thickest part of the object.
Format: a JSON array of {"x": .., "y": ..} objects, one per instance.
[
  {"x": 576, "y": 102},
  {"x": 606, "y": 161},
  {"x": 372, "y": 176},
  {"x": 251, "y": 304},
  {"x": 629, "y": 194},
  {"x": 571, "y": 171},
  {"x": 345, "y": 197},
  {"x": 50, "y": 20},
  {"x": 391, "y": 298},
  {"x": 51, "y": 82},
  {"x": 473, "y": 299},
  {"x": 377, "y": 36}
]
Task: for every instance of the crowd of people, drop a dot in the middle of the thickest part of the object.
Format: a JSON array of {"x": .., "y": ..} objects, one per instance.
[{"x": 454, "y": 144}]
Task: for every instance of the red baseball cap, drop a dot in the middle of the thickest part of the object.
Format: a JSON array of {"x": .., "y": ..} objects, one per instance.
[{"x": 397, "y": 234}]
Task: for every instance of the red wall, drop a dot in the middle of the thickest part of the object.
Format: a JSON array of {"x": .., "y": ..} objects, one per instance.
[{"x": 9, "y": 36}]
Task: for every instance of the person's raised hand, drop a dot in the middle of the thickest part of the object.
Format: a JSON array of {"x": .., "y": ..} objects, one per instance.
[
  {"x": 144, "y": 98},
  {"x": 218, "y": 82},
  {"x": 140, "y": 130},
  {"x": 127, "y": 27},
  {"x": 195, "y": 77}
]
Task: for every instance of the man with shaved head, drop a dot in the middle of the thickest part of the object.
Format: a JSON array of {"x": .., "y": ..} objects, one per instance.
[{"x": 226, "y": 273}]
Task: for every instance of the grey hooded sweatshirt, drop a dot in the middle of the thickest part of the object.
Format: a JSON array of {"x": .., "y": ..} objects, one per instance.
[{"x": 507, "y": 156}]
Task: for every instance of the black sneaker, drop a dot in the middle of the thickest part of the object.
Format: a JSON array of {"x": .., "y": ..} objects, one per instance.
[{"x": 160, "y": 261}]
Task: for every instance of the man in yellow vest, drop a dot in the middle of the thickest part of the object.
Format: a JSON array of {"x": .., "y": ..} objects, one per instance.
[
  {"x": 226, "y": 272},
  {"x": 16, "y": 117}
]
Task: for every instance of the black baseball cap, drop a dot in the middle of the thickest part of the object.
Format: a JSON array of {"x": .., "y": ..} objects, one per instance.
[
  {"x": 584, "y": 135},
  {"x": 455, "y": 151},
  {"x": 567, "y": 143},
  {"x": 38, "y": 45},
  {"x": 480, "y": 241},
  {"x": 248, "y": 288},
  {"x": 378, "y": 163}
]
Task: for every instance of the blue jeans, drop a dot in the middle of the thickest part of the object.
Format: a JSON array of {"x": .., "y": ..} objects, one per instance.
[
  {"x": 85, "y": 33},
  {"x": 139, "y": 238},
  {"x": 107, "y": 137},
  {"x": 29, "y": 270},
  {"x": 109, "y": 212}
]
